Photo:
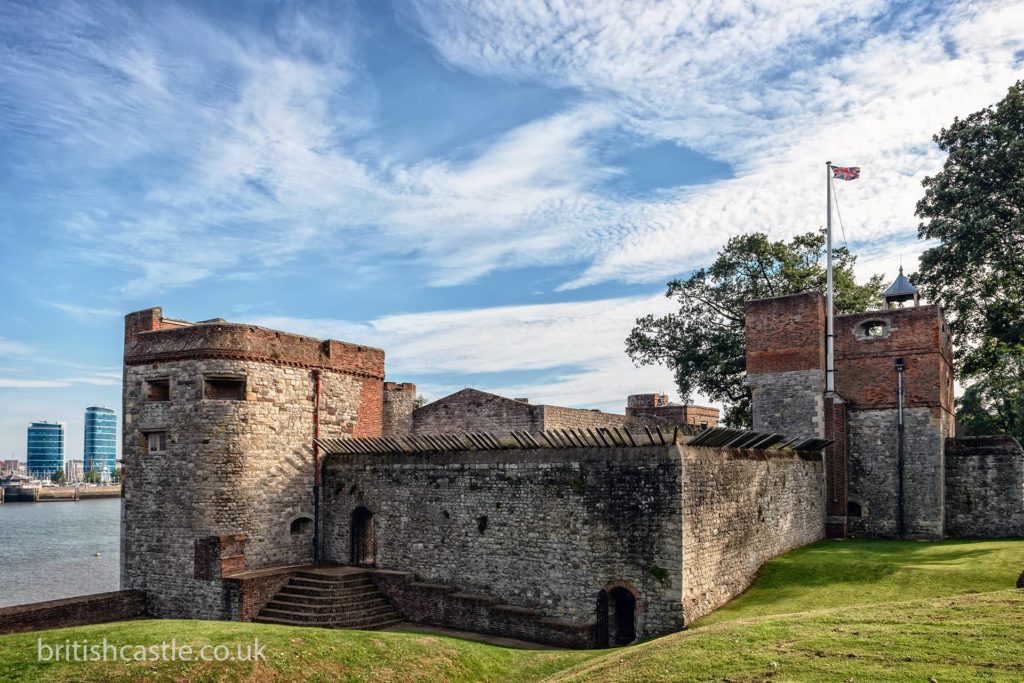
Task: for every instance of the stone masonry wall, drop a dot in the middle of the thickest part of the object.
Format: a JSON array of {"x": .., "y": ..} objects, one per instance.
[
  {"x": 399, "y": 404},
  {"x": 557, "y": 417},
  {"x": 984, "y": 487},
  {"x": 874, "y": 473},
  {"x": 541, "y": 529},
  {"x": 740, "y": 509},
  {"x": 230, "y": 467},
  {"x": 470, "y": 410},
  {"x": 790, "y": 403}
]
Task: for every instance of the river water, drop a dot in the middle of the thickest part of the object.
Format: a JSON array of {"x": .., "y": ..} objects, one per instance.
[{"x": 49, "y": 550}]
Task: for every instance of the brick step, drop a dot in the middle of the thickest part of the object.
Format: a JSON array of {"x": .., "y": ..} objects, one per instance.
[
  {"x": 370, "y": 626},
  {"x": 340, "y": 582},
  {"x": 316, "y": 591},
  {"x": 336, "y": 616},
  {"x": 330, "y": 576},
  {"x": 280, "y": 602},
  {"x": 320, "y": 599}
]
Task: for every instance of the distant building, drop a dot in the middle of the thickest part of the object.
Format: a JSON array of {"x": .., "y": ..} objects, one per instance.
[
  {"x": 100, "y": 445},
  {"x": 9, "y": 467},
  {"x": 73, "y": 470},
  {"x": 45, "y": 449}
]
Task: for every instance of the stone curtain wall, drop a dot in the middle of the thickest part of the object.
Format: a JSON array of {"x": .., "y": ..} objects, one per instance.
[
  {"x": 230, "y": 467},
  {"x": 984, "y": 487},
  {"x": 557, "y": 417},
  {"x": 542, "y": 529},
  {"x": 874, "y": 473},
  {"x": 740, "y": 509},
  {"x": 470, "y": 410}
]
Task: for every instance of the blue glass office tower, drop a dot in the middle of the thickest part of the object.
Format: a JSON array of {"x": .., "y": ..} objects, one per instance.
[
  {"x": 45, "y": 449},
  {"x": 100, "y": 451}
]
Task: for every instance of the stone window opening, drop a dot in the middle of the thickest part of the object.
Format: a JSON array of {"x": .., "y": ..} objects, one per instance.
[
  {"x": 158, "y": 389},
  {"x": 301, "y": 526},
  {"x": 853, "y": 509},
  {"x": 224, "y": 388},
  {"x": 363, "y": 550},
  {"x": 156, "y": 442}
]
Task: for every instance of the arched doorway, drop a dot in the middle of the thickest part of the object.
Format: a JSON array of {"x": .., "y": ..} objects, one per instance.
[
  {"x": 362, "y": 537},
  {"x": 616, "y": 617}
]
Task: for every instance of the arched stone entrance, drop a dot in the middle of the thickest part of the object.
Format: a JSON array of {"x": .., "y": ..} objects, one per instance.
[
  {"x": 616, "y": 617},
  {"x": 363, "y": 549}
]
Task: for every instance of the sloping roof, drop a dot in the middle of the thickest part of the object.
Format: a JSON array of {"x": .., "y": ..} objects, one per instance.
[{"x": 901, "y": 289}]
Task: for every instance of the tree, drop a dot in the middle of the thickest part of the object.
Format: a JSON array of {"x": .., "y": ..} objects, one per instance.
[
  {"x": 975, "y": 207},
  {"x": 421, "y": 401},
  {"x": 703, "y": 342},
  {"x": 91, "y": 477},
  {"x": 58, "y": 477},
  {"x": 115, "y": 476}
]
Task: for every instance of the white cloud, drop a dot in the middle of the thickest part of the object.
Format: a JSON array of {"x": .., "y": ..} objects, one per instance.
[
  {"x": 8, "y": 383},
  {"x": 81, "y": 312},
  {"x": 9, "y": 347}
]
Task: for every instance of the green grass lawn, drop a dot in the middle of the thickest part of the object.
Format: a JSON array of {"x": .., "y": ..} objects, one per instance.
[{"x": 842, "y": 611}]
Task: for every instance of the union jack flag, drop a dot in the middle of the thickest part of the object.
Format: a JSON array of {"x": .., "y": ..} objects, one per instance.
[{"x": 846, "y": 172}]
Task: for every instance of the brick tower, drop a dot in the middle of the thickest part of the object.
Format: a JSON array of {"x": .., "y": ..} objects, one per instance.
[{"x": 888, "y": 419}]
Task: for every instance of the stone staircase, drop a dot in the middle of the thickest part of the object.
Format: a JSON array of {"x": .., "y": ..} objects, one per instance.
[{"x": 340, "y": 597}]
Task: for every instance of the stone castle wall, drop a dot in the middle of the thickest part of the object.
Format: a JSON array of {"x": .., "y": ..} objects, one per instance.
[
  {"x": 543, "y": 529},
  {"x": 471, "y": 410},
  {"x": 984, "y": 487},
  {"x": 740, "y": 509},
  {"x": 874, "y": 473}
]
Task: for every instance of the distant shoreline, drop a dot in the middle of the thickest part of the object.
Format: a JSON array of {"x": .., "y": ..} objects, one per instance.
[{"x": 46, "y": 494}]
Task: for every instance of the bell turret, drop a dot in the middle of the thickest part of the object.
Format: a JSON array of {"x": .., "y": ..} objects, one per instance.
[{"x": 901, "y": 290}]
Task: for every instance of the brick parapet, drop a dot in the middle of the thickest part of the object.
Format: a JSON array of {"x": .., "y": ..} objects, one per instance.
[
  {"x": 78, "y": 611},
  {"x": 151, "y": 338}
]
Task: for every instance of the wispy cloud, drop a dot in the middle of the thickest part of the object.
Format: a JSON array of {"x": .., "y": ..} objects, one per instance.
[
  {"x": 8, "y": 383},
  {"x": 10, "y": 347},
  {"x": 81, "y": 312},
  {"x": 256, "y": 159}
]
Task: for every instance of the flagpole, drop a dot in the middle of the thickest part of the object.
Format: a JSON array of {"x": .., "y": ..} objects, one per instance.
[{"x": 830, "y": 368}]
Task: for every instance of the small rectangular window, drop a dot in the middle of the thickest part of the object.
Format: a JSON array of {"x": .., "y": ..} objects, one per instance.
[
  {"x": 224, "y": 388},
  {"x": 156, "y": 442},
  {"x": 158, "y": 389}
]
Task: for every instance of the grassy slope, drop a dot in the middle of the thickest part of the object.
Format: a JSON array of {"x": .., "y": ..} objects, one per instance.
[{"x": 855, "y": 610}]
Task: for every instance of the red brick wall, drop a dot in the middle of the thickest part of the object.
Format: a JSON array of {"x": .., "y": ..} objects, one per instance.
[
  {"x": 371, "y": 409},
  {"x": 836, "y": 470},
  {"x": 78, "y": 611},
  {"x": 865, "y": 366},
  {"x": 785, "y": 333}
]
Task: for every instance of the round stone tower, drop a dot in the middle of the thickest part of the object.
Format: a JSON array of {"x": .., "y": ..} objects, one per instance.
[{"x": 218, "y": 459}]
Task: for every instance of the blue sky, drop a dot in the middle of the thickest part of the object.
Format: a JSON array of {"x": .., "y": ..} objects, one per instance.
[{"x": 490, "y": 191}]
